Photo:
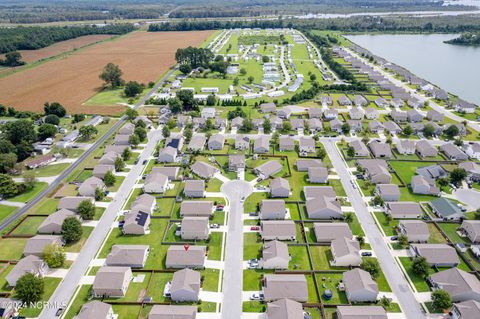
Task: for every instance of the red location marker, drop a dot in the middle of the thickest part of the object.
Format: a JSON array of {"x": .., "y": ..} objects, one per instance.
[{"x": 186, "y": 246}]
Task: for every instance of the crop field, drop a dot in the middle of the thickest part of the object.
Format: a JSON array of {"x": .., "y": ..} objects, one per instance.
[
  {"x": 142, "y": 56},
  {"x": 30, "y": 56}
]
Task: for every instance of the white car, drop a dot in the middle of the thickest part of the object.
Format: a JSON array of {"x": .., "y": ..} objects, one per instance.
[{"x": 256, "y": 296}]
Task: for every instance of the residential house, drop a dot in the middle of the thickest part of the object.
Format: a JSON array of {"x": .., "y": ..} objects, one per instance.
[
  {"x": 100, "y": 170},
  {"x": 406, "y": 147},
  {"x": 180, "y": 256},
  {"x": 460, "y": 285},
  {"x": 355, "y": 113},
  {"x": 453, "y": 152},
  {"x": 286, "y": 143},
  {"x": 261, "y": 144},
  {"x": 401, "y": 210},
  {"x": 399, "y": 116},
  {"x": 136, "y": 222},
  {"x": 361, "y": 312},
  {"x": 304, "y": 164},
  {"x": 359, "y": 100},
  {"x": 183, "y": 120},
  {"x": 343, "y": 100},
  {"x": 267, "y": 107},
  {"x": 285, "y": 309},
  {"x": 53, "y": 223},
  {"x": 269, "y": 168},
  {"x": 375, "y": 127},
  {"x": 425, "y": 149},
  {"x": 278, "y": 230},
  {"x": 144, "y": 202},
  {"x": 314, "y": 113},
  {"x": 330, "y": 114},
  {"x": 40, "y": 161},
  {"x": 414, "y": 102},
  {"x": 381, "y": 102},
  {"x": 318, "y": 175},
  {"x": 388, "y": 192},
  {"x": 175, "y": 142},
  {"x": 327, "y": 232},
  {"x": 473, "y": 150},
  {"x": 380, "y": 149},
  {"x": 277, "y": 287},
  {"x": 173, "y": 312},
  {"x": 360, "y": 148},
  {"x": 285, "y": 112},
  {"x": 471, "y": 228},
  {"x": 435, "y": 116},
  {"x": 297, "y": 124},
  {"x": 208, "y": 113},
  {"x": 258, "y": 124},
  {"x": 204, "y": 170},
  {"x": 96, "y": 309},
  {"x": 111, "y": 282},
  {"x": 306, "y": 144},
  {"x": 148, "y": 123},
  {"x": 196, "y": 208},
  {"x": 155, "y": 183},
  {"x": 127, "y": 129},
  {"x": 465, "y": 310},
  {"x": 416, "y": 230},
  {"x": 274, "y": 255},
  {"x": 216, "y": 142},
  {"x": 446, "y": 209},
  {"x": 336, "y": 126},
  {"x": 359, "y": 286},
  {"x": 423, "y": 185},
  {"x": 438, "y": 255},
  {"x": 323, "y": 207},
  {"x": 27, "y": 265},
  {"x": 464, "y": 107},
  {"x": 326, "y": 100},
  {"x": 134, "y": 256},
  {"x": 392, "y": 127},
  {"x": 237, "y": 122},
  {"x": 397, "y": 102},
  {"x": 108, "y": 158},
  {"x": 220, "y": 123},
  {"x": 167, "y": 155},
  {"x": 355, "y": 125},
  {"x": 185, "y": 286},
  {"x": 121, "y": 139},
  {"x": 197, "y": 143},
  {"x": 242, "y": 142},
  {"x": 345, "y": 252},
  {"x": 236, "y": 162},
  {"x": 170, "y": 171},
  {"x": 371, "y": 113},
  {"x": 315, "y": 125},
  {"x": 376, "y": 170},
  {"x": 272, "y": 209},
  {"x": 194, "y": 228},
  {"x": 36, "y": 244},
  {"x": 279, "y": 187},
  {"x": 194, "y": 188},
  {"x": 311, "y": 192}
]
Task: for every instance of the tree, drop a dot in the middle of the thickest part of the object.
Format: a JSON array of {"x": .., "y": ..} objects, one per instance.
[
  {"x": 428, "y": 130},
  {"x": 141, "y": 133},
  {"x": 451, "y": 131},
  {"x": 109, "y": 179},
  {"x": 133, "y": 88},
  {"x": 345, "y": 128},
  {"x": 20, "y": 130},
  {"x": 348, "y": 217},
  {"x": 188, "y": 101},
  {"x": 131, "y": 114},
  {"x": 211, "y": 100},
  {"x": 119, "y": 164},
  {"x": 99, "y": 194},
  {"x": 126, "y": 154},
  {"x": 243, "y": 71},
  {"x": 46, "y": 131},
  {"x": 188, "y": 133},
  {"x": 371, "y": 266},
  {"x": 388, "y": 218},
  {"x": 54, "y": 108},
  {"x": 250, "y": 79},
  {"x": 134, "y": 140},
  {"x": 321, "y": 153},
  {"x": 265, "y": 59},
  {"x": 86, "y": 209},
  {"x": 185, "y": 68},
  {"x": 54, "y": 255},
  {"x": 442, "y": 181},
  {"x": 350, "y": 152},
  {"x": 52, "y": 119},
  {"x": 6, "y": 146},
  {"x": 140, "y": 124},
  {"x": 267, "y": 126},
  {"x": 407, "y": 130},
  {"x": 8, "y": 187},
  {"x": 171, "y": 123},
  {"x": 235, "y": 81},
  {"x": 378, "y": 201},
  {"x": 175, "y": 105},
  {"x": 403, "y": 240},
  {"x": 313, "y": 77},
  {"x": 23, "y": 150},
  {"x": 165, "y": 131},
  {"x": 441, "y": 299},
  {"x": 29, "y": 288},
  {"x": 87, "y": 132},
  {"x": 78, "y": 118},
  {"x": 71, "y": 230},
  {"x": 112, "y": 75},
  {"x": 238, "y": 112},
  {"x": 12, "y": 59},
  {"x": 385, "y": 302},
  {"x": 7, "y": 162},
  {"x": 29, "y": 179},
  {"x": 420, "y": 266},
  {"x": 361, "y": 239},
  {"x": 247, "y": 125},
  {"x": 286, "y": 127},
  {"x": 457, "y": 175}
]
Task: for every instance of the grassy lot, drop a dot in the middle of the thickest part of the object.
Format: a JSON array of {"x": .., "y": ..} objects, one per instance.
[
  {"x": 118, "y": 181},
  {"x": 337, "y": 186},
  {"x": 381, "y": 280},
  {"x": 165, "y": 206},
  {"x": 50, "y": 170},
  {"x": 29, "y": 226},
  {"x": 4, "y": 271},
  {"x": 388, "y": 228},
  {"x": 214, "y": 185},
  {"x": 29, "y": 194},
  {"x": 407, "y": 195},
  {"x": 299, "y": 258},
  {"x": 252, "y": 246},
  {"x": 76, "y": 247},
  {"x": 435, "y": 235},
  {"x": 251, "y": 202},
  {"x": 5, "y": 211},
  {"x": 215, "y": 246},
  {"x": 321, "y": 257},
  {"x": 46, "y": 206},
  {"x": 82, "y": 298},
  {"x": 50, "y": 286},
  {"x": 407, "y": 169},
  {"x": 450, "y": 229},
  {"x": 419, "y": 282},
  {"x": 211, "y": 278},
  {"x": 107, "y": 97},
  {"x": 331, "y": 281},
  {"x": 355, "y": 226},
  {"x": 252, "y": 279},
  {"x": 12, "y": 248},
  {"x": 254, "y": 306},
  {"x": 367, "y": 187}
]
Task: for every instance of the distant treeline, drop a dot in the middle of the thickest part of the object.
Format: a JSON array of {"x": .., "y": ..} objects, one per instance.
[
  {"x": 31, "y": 38},
  {"x": 469, "y": 38},
  {"x": 444, "y": 24}
]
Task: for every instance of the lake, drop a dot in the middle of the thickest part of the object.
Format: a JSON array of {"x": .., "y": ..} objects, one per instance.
[{"x": 452, "y": 67}]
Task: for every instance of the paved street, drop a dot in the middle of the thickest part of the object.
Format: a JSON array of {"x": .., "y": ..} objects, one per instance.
[
  {"x": 67, "y": 287},
  {"x": 233, "y": 273},
  {"x": 392, "y": 272}
]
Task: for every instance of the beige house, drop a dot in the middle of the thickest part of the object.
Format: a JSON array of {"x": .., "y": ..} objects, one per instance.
[
  {"x": 180, "y": 256},
  {"x": 472, "y": 229},
  {"x": 97, "y": 310},
  {"x": 194, "y": 228},
  {"x": 278, "y": 230},
  {"x": 285, "y": 309},
  {"x": 461, "y": 285},
  {"x": 90, "y": 185},
  {"x": 137, "y": 222},
  {"x": 415, "y": 230},
  {"x": 359, "y": 286},
  {"x": 185, "y": 286},
  {"x": 53, "y": 223},
  {"x": 112, "y": 282},
  {"x": 276, "y": 287},
  {"x": 134, "y": 256},
  {"x": 345, "y": 252},
  {"x": 155, "y": 183},
  {"x": 173, "y": 312},
  {"x": 27, "y": 265},
  {"x": 194, "y": 188},
  {"x": 196, "y": 208},
  {"x": 327, "y": 232},
  {"x": 36, "y": 245},
  {"x": 279, "y": 187},
  {"x": 272, "y": 209},
  {"x": 274, "y": 255}
]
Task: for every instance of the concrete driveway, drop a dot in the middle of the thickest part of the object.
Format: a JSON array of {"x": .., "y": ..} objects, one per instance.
[{"x": 470, "y": 197}]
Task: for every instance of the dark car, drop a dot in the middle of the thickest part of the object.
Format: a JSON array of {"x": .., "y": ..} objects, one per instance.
[
  {"x": 366, "y": 254},
  {"x": 145, "y": 162},
  {"x": 59, "y": 312}
]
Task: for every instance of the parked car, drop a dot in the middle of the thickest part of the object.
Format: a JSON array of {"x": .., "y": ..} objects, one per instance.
[
  {"x": 136, "y": 161},
  {"x": 144, "y": 162},
  {"x": 253, "y": 214},
  {"x": 366, "y": 254},
  {"x": 255, "y": 228},
  {"x": 394, "y": 238},
  {"x": 214, "y": 226},
  {"x": 59, "y": 312},
  {"x": 256, "y": 296}
]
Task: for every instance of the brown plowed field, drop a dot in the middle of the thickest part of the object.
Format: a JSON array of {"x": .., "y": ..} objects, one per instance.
[
  {"x": 61, "y": 47},
  {"x": 142, "y": 56}
]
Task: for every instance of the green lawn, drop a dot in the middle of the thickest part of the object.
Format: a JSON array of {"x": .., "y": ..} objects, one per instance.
[
  {"x": 388, "y": 228},
  {"x": 82, "y": 298},
  {"x": 252, "y": 246},
  {"x": 215, "y": 246},
  {"x": 253, "y": 306},
  {"x": 50, "y": 170},
  {"x": 251, "y": 202},
  {"x": 450, "y": 229},
  {"x": 214, "y": 185},
  {"x": 252, "y": 279},
  {"x": 407, "y": 195},
  {"x": 407, "y": 169},
  {"x": 321, "y": 256},
  {"x": 29, "y": 194},
  {"x": 6, "y": 211},
  {"x": 211, "y": 278},
  {"x": 331, "y": 281},
  {"x": 381, "y": 280},
  {"x": 50, "y": 286},
  {"x": 419, "y": 282},
  {"x": 12, "y": 248},
  {"x": 29, "y": 226},
  {"x": 4, "y": 271},
  {"x": 107, "y": 98},
  {"x": 76, "y": 247},
  {"x": 435, "y": 235},
  {"x": 299, "y": 258}
]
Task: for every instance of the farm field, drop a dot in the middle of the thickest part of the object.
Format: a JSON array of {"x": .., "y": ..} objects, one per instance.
[{"x": 142, "y": 56}]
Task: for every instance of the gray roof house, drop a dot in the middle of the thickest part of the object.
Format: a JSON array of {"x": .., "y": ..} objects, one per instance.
[
  {"x": 100, "y": 170},
  {"x": 261, "y": 144},
  {"x": 453, "y": 152},
  {"x": 274, "y": 255},
  {"x": 461, "y": 285},
  {"x": 345, "y": 252},
  {"x": 278, "y": 230},
  {"x": 314, "y": 113},
  {"x": 194, "y": 228},
  {"x": 371, "y": 113},
  {"x": 121, "y": 139},
  {"x": 269, "y": 168},
  {"x": 272, "y": 209},
  {"x": 36, "y": 244},
  {"x": 446, "y": 209},
  {"x": 171, "y": 171},
  {"x": 336, "y": 125},
  {"x": 304, "y": 164},
  {"x": 380, "y": 149},
  {"x": 343, "y": 100},
  {"x": 402, "y": 210},
  {"x": 216, "y": 142},
  {"x": 376, "y": 170},
  {"x": 388, "y": 192},
  {"x": 279, "y": 187},
  {"x": 173, "y": 312},
  {"x": 466, "y": 310},
  {"x": 30, "y": 264},
  {"x": 361, "y": 312},
  {"x": 127, "y": 129},
  {"x": 133, "y": 256},
  {"x": 167, "y": 155},
  {"x": 330, "y": 114},
  {"x": 90, "y": 185},
  {"x": 108, "y": 158},
  {"x": 95, "y": 309},
  {"x": 286, "y": 143},
  {"x": 392, "y": 127},
  {"x": 381, "y": 102},
  {"x": 277, "y": 287},
  {"x": 326, "y": 232},
  {"x": 242, "y": 142},
  {"x": 406, "y": 147},
  {"x": 197, "y": 143},
  {"x": 360, "y": 148},
  {"x": 267, "y": 107},
  {"x": 425, "y": 149},
  {"x": 439, "y": 255},
  {"x": 431, "y": 171},
  {"x": 285, "y": 309},
  {"x": 53, "y": 223},
  {"x": 355, "y": 125},
  {"x": 315, "y": 125},
  {"x": 415, "y": 230},
  {"x": 236, "y": 162},
  {"x": 155, "y": 183},
  {"x": 435, "y": 116},
  {"x": 359, "y": 286},
  {"x": 306, "y": 144},
  {"x": 196, "y": 208},
  {"x": 112, "y": 282},
  {"x": 192, "y": 257},
  {"x": 375, "y": 126},
  {"x": 237, "y": 122},
  {"x": 311, "y": 192},
  {"x": 359, "y": 100},
  {"x": 326, "y": 99},
  {"x": 137, "y": 222},
  {"x": 203, "y": 169},
  {"x": 318, "y": 175},
  {"x": 297, "y": 123},
  {"x": 399, "y": 116},
  {"x": 323, "y": 207},
  {"x": 185, "y": 286},
  {"x": 414, "y": 116},
  {"x": 424, "y": 185},
  {"x": 144, "y": 202},
  {"x": 72, "y": 202},
  {"x": 472, "y": 229},
  {"x": 194, "y": 188},
  {"x": 355, "y": 113},
  {"x": 284, "y": 112}
]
